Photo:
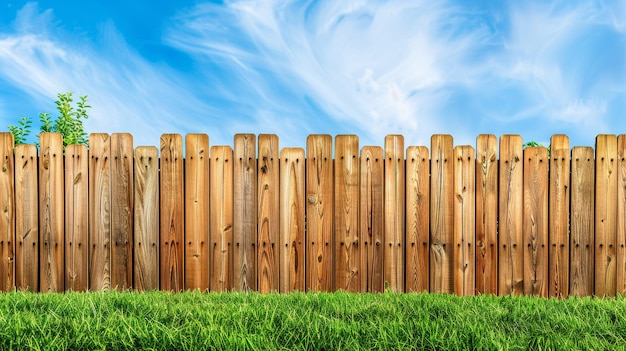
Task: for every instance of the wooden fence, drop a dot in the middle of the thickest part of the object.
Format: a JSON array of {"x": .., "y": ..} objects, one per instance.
[{"x": 495, "y": 219}]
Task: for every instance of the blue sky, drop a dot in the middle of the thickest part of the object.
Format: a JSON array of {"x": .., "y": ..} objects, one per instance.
[{"x": 293, "y": 68}]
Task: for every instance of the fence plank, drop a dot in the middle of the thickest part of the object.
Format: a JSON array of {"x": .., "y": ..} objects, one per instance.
[
  {"x": 347, "y": 237},
  {"x": 26, "y": 218},
  {"x": 319, "y": 213},
  {"x": 535, "y": 222},
  {"x": 486, "y": 214},
  {"x": 51, "y": 217},
  {"x": 245, "y": 215},
  {"x": 172, "y": 216},
  {"x": 582, "y": 222},
  {"x": 511, "y": 255},
  {"x": 559, "y": 215},
  {"x": 394, "y": 212},
  {"x": 441, "y": 214},
  {"x": 464, "y": 220},
  {"x": 7, "y": 219},
  {"x": 605, "y": 216},
  {"x": 621, "y": 214},
  {"x": 269, "y": 207},
  {"x": 371, "y": 218},
  {"x": 221, "y": 221},
  {"x": 99, "y": 211},
  {"x": 292, "y": 255},
  {"x": 347, "y": 249},
  {"x": 76, "y": 218},
  {"x": 121, "y": 211},
  {"x": 197, "y": 212},
  {"x": 417, "y": 218},
  {"x": 146, "y": 200}
]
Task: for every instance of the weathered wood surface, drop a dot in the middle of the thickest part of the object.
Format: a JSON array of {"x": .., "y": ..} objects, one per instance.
[
  {"x": 486, "y": 214},
  {"x": 371, "y": 218},
  {"x": 441, "y": 214},
  {"x": 26, "y": 219},
  {"x": 319, "y": 213},
  {"x": 347, "y": 238},
  {"x": 245, "y": 213},
  {"x": 621, "y": 214},
  {"x": 582, "y": 224},
  {"x": 292, "y": 223},
  {"x": 77, "y": 218},
  {"x": 511, "y": 254},
  {"x": 464, "y": 220},
  {"x": 268, "y": 224},
  {"x": 197, "y": 212},
  {"x": 535, "y": 223},
  {"x": 146, "y": 219},
  {"x": 417, "y": 218},
  {"x": 605, "y": 215},
  {"x": 51, "y": 214},
  {"x": 99, "y": 212},
  {"x": 172, "y": 215},
  {"x": 221, "y": 221},
  {"x": 121, "y": 211},
  {"x": 559, "y": 215},
  {"x": 7, "y": 213}
]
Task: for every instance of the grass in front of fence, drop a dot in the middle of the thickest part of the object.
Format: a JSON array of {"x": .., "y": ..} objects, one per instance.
[{"x": 195, "y": 321}]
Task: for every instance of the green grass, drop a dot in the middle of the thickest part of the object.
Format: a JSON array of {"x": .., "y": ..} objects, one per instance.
[{"x": 195, "y": 321}]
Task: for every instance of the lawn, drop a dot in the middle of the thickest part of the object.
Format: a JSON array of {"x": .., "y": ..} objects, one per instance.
[{"x": 307, "y": 321}]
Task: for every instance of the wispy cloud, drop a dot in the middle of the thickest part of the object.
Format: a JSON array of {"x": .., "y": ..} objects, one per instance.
[
  {"x": 127, "y": 92},
  {"x": 414, "y": 67}
]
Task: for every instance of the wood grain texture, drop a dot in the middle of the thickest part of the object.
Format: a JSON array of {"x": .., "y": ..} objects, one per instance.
[
  {"x": 605, "y": 215},
  {"x": 7, "y": 213},
  {"x": 146, "y": 219},
  {"x": 197, "y": 212},
  {"x": 51, "y": 217},
  {"x": 511, "y": 254},
  {"x": 221, "y": 221},
  {"x": 122, "y": 211},
  {"x": 582, "y": 223},
  {"x": 535, "y": 222},
  {"x": 441, "y": 214},
  {"x": 268, "y": 224},
  {"x": 464, "y": 220},
  {"x": 621, "y": 214},
  {"x": 26, "y": 218},
  {"x": 172, "y": 214},
  {"x": 319, "y": 213},
  {"x": 99, "y": 212},
  {"x": 347, "y": 237},
  {"x": 244, "y": 213},
  {"x": 417, "y": 218},
  {"x": 486, "y": 214},
  {"x": 559, "y": 215},
  {"x": 292, "y": 234},
  {"x": 76, "y": 218},
  {"x": 371, "y": 218},
  {"x": 394, "y": 213}
]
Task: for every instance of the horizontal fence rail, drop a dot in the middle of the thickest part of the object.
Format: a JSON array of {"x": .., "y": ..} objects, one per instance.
[{"x": 496, "y": 218}]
